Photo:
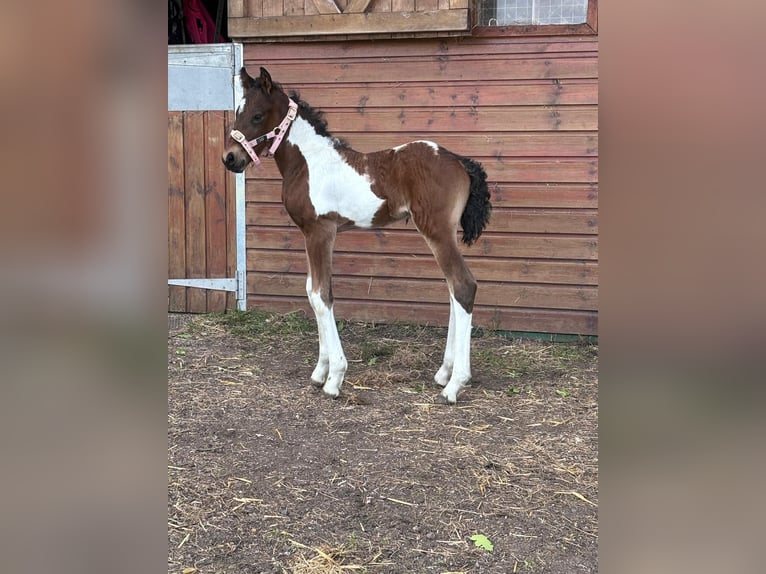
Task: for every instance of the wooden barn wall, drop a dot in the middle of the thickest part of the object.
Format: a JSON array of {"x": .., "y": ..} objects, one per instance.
[
  {"x": 200, "y": 210},
  {"x": 526, "y": 107}
]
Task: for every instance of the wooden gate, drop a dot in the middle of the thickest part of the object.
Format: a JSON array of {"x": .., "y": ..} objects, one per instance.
[{"x": 206, "y": 217}]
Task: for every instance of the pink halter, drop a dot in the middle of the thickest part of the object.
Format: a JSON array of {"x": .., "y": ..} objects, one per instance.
[{"x": 276, "y": 134}]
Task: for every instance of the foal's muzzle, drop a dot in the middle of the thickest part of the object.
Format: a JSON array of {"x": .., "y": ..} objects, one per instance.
[{"x": 234, "y": 163}]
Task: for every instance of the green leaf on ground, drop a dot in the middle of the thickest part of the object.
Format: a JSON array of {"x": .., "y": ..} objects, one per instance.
[{"x": 483, "y": 542}]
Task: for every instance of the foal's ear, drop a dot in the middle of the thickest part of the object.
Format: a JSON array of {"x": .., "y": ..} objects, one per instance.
[
  {"x": 245, "y": 79},
  {"x": 266, "y": 83}
]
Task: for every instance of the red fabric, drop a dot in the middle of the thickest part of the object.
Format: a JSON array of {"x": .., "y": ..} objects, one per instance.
[{"x": 199, "y": 25}]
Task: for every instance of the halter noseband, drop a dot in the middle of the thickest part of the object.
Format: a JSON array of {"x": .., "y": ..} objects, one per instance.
[{"x": 276, "y": 134}]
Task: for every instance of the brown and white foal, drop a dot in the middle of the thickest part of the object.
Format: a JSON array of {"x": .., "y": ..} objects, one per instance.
[{"x": 329, "y": 187}]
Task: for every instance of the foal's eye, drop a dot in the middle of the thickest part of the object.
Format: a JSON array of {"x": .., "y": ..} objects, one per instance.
[{"x": 257, "y": 118}]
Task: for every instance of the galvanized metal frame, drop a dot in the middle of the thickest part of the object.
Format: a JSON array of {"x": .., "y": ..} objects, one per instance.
[{"x": 197, "y": 64}]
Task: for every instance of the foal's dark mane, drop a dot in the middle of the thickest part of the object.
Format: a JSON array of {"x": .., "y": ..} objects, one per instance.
[{"x": 316, "y": 119}]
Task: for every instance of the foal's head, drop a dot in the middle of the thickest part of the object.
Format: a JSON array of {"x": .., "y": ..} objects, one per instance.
[{"x": 260, "y": 111}]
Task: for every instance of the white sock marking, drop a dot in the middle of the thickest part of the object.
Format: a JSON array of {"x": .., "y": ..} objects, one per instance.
[
  {"x": 330, "y": 341},
  {"x": 461, "y": 370},
  {"x": 319, "y": 375},
  {"x": 445, "y": 371}
]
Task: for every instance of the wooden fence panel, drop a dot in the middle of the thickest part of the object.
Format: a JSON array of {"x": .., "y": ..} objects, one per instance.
[{"x": 201, "y": 241}]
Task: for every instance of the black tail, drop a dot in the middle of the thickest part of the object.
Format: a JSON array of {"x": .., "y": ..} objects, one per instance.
[{"x": 478, "y": 208}]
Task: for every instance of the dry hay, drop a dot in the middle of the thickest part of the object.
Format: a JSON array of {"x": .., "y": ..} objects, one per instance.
[{"x": 268, "y": 475}]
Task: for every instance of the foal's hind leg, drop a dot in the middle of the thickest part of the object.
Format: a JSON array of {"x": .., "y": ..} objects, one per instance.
[
  {"x": 444, "y": 373},
  {"x": 332, "y": 364},
  {"x": 455, "y": 370}
]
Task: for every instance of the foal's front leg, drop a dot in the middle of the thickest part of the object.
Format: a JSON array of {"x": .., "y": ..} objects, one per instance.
[
  {"x": 332, "y": 363},
  {"x": 319, "y": 375}
]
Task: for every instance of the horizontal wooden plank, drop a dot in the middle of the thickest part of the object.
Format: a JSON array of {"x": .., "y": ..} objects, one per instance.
[
  {"x": 245, "y": 29},
  {"x": 517, "y": 170},
  {"x": 542, "y": 171},
  {"x": 506, "y": 318},
  {"x": 524, "y": 66},
  {"x": 508, "y": 220},
  {"x": 424, "y": 266},
  {"x": 379, "y": 92},
  {"x": 554, "y": 46},
  {"x": 490, "y": 244},
  {"x": 497, "y": 145},
  {"x": 429, "y": 291},
  {"x": 545, "y": 195},
  {"x": 478, "y": 120},
  {"x": 569, "y": 196},
  {"x": 549, "y": 135},
  {"x": 476, "y": 68}
]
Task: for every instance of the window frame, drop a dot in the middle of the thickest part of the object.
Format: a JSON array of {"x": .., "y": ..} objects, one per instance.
[{"x": 589, "y": 27}]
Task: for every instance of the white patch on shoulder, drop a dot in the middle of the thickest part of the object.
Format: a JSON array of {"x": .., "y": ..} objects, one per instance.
[
  {"x": 241, "y": 106},
  {"x": 430, "y": 144},
  {"x": 334, "y": 186}
]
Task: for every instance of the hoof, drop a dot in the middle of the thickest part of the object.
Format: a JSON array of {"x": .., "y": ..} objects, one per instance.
[
  {"x": 442, "y": 377},
  {"x": 446, "y": 399},
  {"x": 317, "y": 384}
]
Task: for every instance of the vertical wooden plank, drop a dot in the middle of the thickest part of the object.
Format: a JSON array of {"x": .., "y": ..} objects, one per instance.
[
  {"x": 254, "y": 8},
  {"x": 231, "y": 236},
  {"x": 236, "y": 8},
  {"x": 294, "y": 8},
  {"x": 272, "y": 8},
  {"x": 309, "y": 8},
  {"x": 176, "y": 209},
  {"x": 402, "y": 5},
  {"x": 426, "y": 5},
  {"x": 380, "y": 6},
  {"x": 215, "y": 207},
  {"x": 194, "y": 176}
]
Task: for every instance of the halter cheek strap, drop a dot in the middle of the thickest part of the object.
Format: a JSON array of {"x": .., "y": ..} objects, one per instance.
[{"x": 277, "y": 134}]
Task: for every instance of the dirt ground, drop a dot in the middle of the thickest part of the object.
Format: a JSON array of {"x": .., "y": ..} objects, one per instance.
[{"x": 266, "y": 474}]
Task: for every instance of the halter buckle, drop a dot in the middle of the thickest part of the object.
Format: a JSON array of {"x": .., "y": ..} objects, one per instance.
[{"x": 292, "y": 111}]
